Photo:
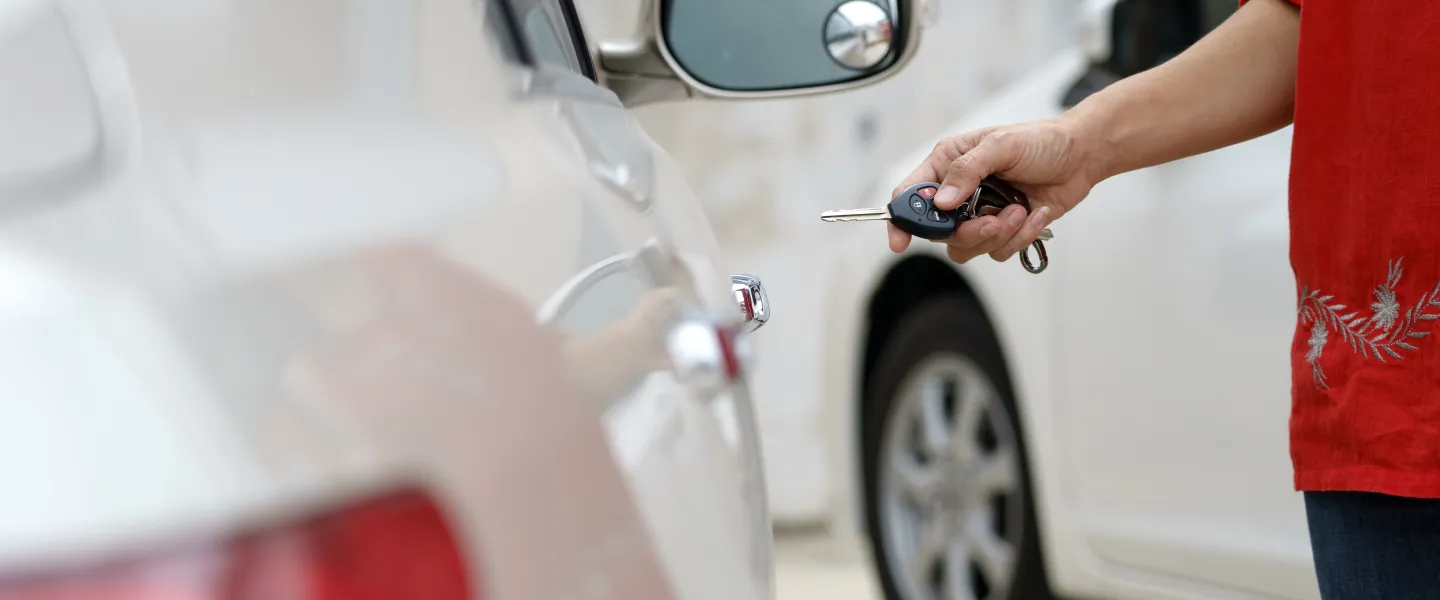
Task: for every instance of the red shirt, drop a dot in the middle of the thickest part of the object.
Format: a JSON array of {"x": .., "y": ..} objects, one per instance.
[{"x": 1365, "y": 248}]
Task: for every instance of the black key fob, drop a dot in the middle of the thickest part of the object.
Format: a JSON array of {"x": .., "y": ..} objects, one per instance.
[
  {"x": 916, "y": 214},
  {"x": 993, "y": 195}
]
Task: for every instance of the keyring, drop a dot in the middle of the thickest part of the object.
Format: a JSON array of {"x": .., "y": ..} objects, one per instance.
[
  {"x": 1039, "y": 247},
  {"x": 1009, "y": 195}
]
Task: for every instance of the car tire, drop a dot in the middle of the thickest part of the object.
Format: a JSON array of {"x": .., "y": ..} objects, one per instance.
[{"x": 936, "y": 505}]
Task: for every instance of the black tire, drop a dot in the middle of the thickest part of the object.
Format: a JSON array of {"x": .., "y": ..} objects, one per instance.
[{"x": 945, "y": 324}]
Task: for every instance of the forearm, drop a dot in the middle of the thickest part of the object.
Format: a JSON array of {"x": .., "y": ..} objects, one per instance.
[{"x": 1235, "y": 84}]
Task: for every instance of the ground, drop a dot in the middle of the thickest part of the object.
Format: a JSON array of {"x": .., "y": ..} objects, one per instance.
[{"x": 809, "y": 567}]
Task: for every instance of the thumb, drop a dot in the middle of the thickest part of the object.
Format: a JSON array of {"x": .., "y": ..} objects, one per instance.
[{"x": 966, "y": 172}]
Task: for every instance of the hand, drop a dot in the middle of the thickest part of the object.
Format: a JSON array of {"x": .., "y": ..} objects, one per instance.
[
  {"x": 1046, "y": 159},
  {"x": 655, "y": 313}
]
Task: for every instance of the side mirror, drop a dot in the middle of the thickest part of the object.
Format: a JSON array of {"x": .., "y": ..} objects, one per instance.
[{"x": 741, "y": 49}]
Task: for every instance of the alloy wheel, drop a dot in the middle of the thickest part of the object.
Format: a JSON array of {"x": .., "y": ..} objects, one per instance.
[{"x": 950, "y": 484}]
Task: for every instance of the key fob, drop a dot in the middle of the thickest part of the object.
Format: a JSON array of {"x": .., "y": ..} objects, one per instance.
[
  {"x": 993, "y": 195},
  {"x": 916, "y": 214}
]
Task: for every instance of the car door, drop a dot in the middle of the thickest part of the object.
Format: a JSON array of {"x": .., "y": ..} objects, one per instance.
[
  {"x": 1177, "y": 317},
  {"x": 648, "y": 280}
]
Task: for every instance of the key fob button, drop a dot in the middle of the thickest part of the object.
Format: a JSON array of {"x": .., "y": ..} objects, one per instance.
[
  {"x": 918, "y": 204},
  {"x": 939, "y": 217}
]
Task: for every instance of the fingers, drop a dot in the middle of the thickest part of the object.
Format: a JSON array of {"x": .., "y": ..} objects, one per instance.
[
  {"x": 985, "y": 234},
  {"x": 1001, "y": 236},
  {"x": 1027, "y": 233},
  {"x": 899, "y": 240},
  {"x": 959, "y": 164},
  {"x": 994, "y": 153},
  {"x": 944, "y": 153},
  {"x": 958, "y": 255},
  {"x": 930, "y": 169}
]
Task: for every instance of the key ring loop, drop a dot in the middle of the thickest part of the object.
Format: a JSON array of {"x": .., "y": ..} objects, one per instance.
[
  {"x": 971, "y": 208},
  {"x": 1039, "y": 247}
]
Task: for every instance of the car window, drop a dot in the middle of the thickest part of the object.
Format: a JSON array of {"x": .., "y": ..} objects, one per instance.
[
  {"x": 501, "y": 30},
  {"x": 552, "y": 33}
]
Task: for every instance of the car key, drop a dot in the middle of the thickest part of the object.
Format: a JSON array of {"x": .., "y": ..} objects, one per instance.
[{"x": 913, "y": 211}]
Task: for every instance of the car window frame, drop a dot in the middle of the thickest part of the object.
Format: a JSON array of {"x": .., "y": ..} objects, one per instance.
[
  {"x": 578, "y": 41},
  {"x": 502, "y": 23},
  {"x": 563, "y": 19}
]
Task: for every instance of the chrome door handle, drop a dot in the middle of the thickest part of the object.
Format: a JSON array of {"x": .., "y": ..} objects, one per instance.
[
  {"x": 647, "y": 258},
  {"x": 749, "y": 293},
  {"x": 708, "y": 353},
  {"x": 565, "y": 298},
  {"x": 707, "y": 350}
]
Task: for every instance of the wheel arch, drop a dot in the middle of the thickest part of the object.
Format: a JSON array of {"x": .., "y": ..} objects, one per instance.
[
  {"x": 907, "y": 284},
  {"x": 904, "y": 286}
]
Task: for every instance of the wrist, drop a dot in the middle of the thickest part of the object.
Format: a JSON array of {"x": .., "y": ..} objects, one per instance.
[{"x": 1089, "y": 125}]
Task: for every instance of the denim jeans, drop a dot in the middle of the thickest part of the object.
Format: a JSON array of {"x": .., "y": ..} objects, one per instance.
[{"x": 1373, "y": 546}]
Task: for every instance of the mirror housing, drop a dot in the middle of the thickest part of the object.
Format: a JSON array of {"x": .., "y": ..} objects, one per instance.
[{"x": 715, "y": 61}]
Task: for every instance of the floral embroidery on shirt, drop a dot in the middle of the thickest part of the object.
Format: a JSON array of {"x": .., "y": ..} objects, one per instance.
[{"x": 1385, "y": 332}]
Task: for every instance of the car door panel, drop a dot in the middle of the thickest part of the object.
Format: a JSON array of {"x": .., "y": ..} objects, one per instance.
[
  {"x": 1174, "y": 356},
  {"x": 693, "y": 481},
  {"x": 1180, "y": 347},
  {"x": 351, "y": 259},
  {"x": 687, "y": 478},
  {"x": 300, "y": 282}
]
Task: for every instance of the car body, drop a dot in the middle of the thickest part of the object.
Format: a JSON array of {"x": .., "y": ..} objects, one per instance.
[
  {"x": 1144, "y": 376},
  {"x": 765, "y": 169},
  {"x": 367, "y": 298}
]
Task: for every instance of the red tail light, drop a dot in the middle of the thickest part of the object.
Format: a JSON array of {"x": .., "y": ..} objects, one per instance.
[{"x": 391, "y": 548}]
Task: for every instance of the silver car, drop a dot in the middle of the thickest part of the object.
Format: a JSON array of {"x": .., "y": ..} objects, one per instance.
[{"x": 381, "y": 298}]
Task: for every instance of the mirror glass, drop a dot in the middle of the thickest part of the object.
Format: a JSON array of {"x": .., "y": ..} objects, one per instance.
[
  {"x": 762, "y": 45},
  {"x": 857, "y": 34}
]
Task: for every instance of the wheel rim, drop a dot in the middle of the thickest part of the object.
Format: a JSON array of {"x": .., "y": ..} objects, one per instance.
[{"x": 951, "y": 489}]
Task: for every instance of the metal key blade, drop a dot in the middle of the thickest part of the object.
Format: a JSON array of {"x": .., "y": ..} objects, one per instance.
[
  {"x": 856, "y": 214},
  {"x": 881, "y": 214}
]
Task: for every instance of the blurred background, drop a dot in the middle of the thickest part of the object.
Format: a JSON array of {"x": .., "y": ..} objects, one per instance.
[{"x": 528, "y": 299}]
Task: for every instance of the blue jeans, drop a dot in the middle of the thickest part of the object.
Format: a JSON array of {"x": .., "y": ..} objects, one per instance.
[{"x": 1373, "y": 546}]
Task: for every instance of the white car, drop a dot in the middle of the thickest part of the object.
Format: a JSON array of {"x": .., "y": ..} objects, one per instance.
[
  {"x": 764, "y": 170},
  {"x": 1114, "y": 427},
  {"x": 381, "y": 298}
]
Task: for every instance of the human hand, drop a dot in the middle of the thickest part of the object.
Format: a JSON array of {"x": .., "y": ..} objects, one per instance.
[
  {"x": 654, "y": 315},
  {"x": 1046, "y": 159}
]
